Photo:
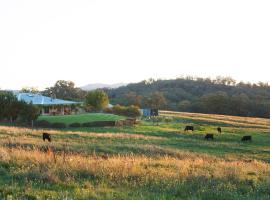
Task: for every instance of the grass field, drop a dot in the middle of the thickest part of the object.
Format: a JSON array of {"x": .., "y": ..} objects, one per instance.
[
  {"x": 82, "y": 118},
  {"x": 141, "y": 162}
]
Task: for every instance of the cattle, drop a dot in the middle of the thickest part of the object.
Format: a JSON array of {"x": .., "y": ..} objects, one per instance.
[
  {"x": 46, "y": 136},
  {"x": 209, "y": 136},
  {"x": 219, "y": 129},
  {"x": 189, "y": 128},
  {"x": 246, "y": 138}
]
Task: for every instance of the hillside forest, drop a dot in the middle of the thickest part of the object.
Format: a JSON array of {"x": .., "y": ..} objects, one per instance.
[{"x": 222, "y": 95}]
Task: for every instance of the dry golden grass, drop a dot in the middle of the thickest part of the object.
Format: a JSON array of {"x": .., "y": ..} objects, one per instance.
[
  {"x": 23, "y": 132},
  {"x": 232, "y": 120},
  {"x": 118, "y": 168}
]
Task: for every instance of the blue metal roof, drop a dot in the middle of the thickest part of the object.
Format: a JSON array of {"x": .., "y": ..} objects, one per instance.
[{"x": 38, "y": 99}]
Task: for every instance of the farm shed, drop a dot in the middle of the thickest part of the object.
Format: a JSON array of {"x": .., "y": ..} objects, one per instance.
[{"x": 149, "y": 112}]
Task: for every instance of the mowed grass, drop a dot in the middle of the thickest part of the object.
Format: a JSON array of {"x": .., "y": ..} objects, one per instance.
[
  {"x": 141, "y": 162},
  {"x": 82, "y": 118}
]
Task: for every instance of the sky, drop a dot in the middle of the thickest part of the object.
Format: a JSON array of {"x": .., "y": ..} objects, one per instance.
[{"x": 98, "y": 41}]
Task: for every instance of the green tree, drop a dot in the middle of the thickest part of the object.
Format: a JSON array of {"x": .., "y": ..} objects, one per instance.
[
  {"x": 156, "y": 100},
  {"x": 240, "y": 104},
  {"x": 65, "y": 90},
  {"x": 3, "y": 101},
  {"x": 29, "y": 112},
  {"x": 30, "y": 90},
  {"x": 224, "y": 80},
  {"x": 97, "y": 99},
  {"x": 132, "y": 98},
  {"x": 216, "y": 103},
  {"x": 9, "y": 106}
]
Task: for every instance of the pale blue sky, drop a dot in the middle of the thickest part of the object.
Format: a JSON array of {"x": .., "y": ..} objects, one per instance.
[{"x": 113, "y": 41}]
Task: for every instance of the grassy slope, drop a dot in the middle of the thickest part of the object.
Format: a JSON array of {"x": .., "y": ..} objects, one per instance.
[
  {"x": 145, "y": 162},
  {"x": 68, "y": 119}
]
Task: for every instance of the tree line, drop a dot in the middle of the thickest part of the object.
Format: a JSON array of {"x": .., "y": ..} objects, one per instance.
[{"x": 222, "y": 95}]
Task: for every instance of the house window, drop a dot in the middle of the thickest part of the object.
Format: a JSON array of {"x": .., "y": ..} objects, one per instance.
[{"x": 46, "y": 110}]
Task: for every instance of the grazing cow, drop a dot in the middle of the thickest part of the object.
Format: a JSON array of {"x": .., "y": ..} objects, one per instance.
[
  {"x": 246, "y": 138},
  {"x": 47, "y": 136},
  {"x": 189, "y": 128},
  {"x": 209, "y": 136},
  {"x": 219, "y": 129}
]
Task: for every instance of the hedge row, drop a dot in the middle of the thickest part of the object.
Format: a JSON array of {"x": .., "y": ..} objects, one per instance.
[
  {"x": 46, "y": 124},
  {"x": 126, "y": 122},
  {"x": 99, "y": 124}
]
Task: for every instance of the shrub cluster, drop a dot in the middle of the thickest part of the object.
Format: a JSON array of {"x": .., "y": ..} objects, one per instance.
[
  {"x": 127, "y": 122},
  {"x": 129, "y": 111},
  {"x": 159, "y": 119}
]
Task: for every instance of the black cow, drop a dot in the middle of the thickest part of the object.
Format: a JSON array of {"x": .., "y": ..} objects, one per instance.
[
  {"x": 209, "y": 136},
  {"x": 246, "y": 138},
  {"x": 47, "y": 136},
  {"x": 189, "y": 128},
  {"x": 219, "y": 129}
]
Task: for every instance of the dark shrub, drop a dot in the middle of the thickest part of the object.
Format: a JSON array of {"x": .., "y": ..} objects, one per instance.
[
  {"x": 108, "y": 110},
  {"x": 127, "y": 122},
  {"x": 42, "y": 124},
  {"x": 129, "y": 111},
  {"x": 131, "y": 121},
  {"x": 120, "y": 123},
  {"x": 99, "y": 124},
  {"x": 118, "y": 110},
  {"x": 132, "y": 111},
  {"x": 75, "y": 125},
  {"x": 104, "y": 123},
  {"x": 87, "y": 124},
  {"x": 58, "y": 125}
]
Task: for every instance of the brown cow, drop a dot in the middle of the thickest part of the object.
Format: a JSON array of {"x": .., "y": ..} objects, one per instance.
[
  {"x": 246, "y": 138},
  {"x": 209, "y": 136},
  {"x": 46, "y": 136},
  {"x": 187, "y": 128}
]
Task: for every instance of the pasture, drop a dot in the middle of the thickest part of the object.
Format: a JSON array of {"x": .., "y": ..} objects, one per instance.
[
  {"x": 141, "y": 162},
  {"x": 82, "y": 118}
]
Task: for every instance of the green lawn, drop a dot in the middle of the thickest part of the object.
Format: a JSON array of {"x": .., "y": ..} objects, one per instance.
[{"x": 82, "y": 118}]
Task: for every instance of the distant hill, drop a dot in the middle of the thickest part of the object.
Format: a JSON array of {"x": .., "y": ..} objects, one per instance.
[
  {"x": 95, "y": 86},
  {"x": 222, "y": 95}
]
